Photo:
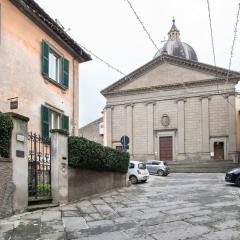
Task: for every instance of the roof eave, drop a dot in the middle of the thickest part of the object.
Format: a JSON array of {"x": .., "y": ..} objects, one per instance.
[{"x": 82, "y": 57}]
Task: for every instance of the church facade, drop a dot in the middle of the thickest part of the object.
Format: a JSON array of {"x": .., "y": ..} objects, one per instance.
[{"x": 175, "y": 108}]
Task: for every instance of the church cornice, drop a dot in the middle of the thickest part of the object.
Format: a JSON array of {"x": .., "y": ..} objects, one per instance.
[
  {"x": 205, "y": 82},
  {"x": 201, "y": 67}
]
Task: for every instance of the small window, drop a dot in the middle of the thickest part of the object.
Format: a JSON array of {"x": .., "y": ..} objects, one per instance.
[
  {"x": 155, "y": 163},
  {"x": 131, "y": 165}
]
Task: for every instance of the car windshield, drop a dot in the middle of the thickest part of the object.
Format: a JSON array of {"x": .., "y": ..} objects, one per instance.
[
  {"x": 142, "y": 166},
  {"x": 236, "y": 170}
]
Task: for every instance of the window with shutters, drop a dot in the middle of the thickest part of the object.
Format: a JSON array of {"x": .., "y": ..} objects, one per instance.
[
  {"x": 54, "y": 66},
  {"x": 52, "y": 120}
]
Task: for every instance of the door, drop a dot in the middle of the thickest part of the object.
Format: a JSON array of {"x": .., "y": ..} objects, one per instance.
[
  {"x": 218, "y": 150},
  {"x": 165, "y": 148}
]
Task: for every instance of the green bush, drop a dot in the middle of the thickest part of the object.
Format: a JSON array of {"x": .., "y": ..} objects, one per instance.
[
  {"x": 43, "y": 187},
  {"x": 6, "y": 126},
  {"x": 86, "y": 154}
]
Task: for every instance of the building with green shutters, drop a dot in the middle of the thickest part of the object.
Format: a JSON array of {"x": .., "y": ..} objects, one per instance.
[{"x": 39, "y": 68}]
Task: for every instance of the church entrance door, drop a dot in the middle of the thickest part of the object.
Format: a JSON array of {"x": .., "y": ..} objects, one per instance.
[
  {"x": 166, "y": 148},
  {"x": 218, "y": 150}
]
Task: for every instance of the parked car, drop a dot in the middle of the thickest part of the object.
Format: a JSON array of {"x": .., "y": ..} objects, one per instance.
[
  {"x": 138, "y": 172},
  {"x": 233, "y": 176},
  {"x": 158, "y": 167}
]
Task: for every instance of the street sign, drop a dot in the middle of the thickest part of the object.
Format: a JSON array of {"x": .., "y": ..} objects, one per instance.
[{"x": 124, "y": 140}]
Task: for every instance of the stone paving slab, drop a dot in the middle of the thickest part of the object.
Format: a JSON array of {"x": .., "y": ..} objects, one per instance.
[{"x": 177, "y": 207}]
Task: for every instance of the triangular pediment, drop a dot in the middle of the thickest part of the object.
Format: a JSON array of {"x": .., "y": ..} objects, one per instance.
[
  {"x": 165, "y": 74},
  {"x": 168, "y": 71}
]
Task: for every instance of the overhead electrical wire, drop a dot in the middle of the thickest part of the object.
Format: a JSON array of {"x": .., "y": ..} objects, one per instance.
[
  {"x": 210, "y": 22},
  {"x": 142, "y": 24},
  {"x": 233, "y": 43},
  {"x": 151, "y": 39},
  {"x": 213, "y": 50},
  {"x": 103, "y": 61}
]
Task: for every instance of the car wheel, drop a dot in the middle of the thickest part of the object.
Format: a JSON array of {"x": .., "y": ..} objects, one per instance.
[
  {"x": 160, "y": 172},
  {"x": 238, "y": 181},
  {"x": 133, "y": 179},
  {"x": 144, "y": 180}
]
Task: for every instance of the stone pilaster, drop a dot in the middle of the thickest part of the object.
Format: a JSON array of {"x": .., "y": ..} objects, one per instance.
[
  {"x": 19, "y": 155},
  {"x": 181, "y": 126},
  {"x": 150, "y": 120},
  {"x": 59, "y": 167},
  {"x": 108, "y": 126},
  {"x": 129, "y": 109},
  {"x": 205, "y": 125},
  {"x": 232, "y": 138}
]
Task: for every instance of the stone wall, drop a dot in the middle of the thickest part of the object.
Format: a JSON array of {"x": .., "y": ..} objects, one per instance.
[
  {"x": 6, "y": 188},
  {"x": 82, "y": 183}
]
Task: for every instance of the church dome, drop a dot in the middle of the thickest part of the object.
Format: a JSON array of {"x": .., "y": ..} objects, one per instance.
[{"x": 174, "y": 46}]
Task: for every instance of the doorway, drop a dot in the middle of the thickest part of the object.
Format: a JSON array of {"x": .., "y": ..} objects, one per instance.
[
  {"x": 166, "y": 148},
  {"x": 218, "y": 150}
]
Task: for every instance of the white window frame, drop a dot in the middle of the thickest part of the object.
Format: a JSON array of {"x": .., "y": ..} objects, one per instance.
[
  {"x": 52, "y": 115},
  {"x": 57, "y": 76}
]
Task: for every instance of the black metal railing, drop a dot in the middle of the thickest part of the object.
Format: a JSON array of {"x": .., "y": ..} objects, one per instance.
[{"x": 39, "y": 167}]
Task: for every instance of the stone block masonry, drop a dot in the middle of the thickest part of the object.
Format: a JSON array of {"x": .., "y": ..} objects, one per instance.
[{"x": 6, "y": 187}]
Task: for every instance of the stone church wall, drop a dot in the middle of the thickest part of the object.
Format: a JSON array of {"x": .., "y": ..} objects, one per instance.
[
  {"x": 118, "y": 124},
  {"x": 168, "y": 107},
  {"x": 193, "y": 133},
  {"x": 198, "y": 119},
  {"x": 140, "y": 129},
  {"x": 218, "y": 116}
]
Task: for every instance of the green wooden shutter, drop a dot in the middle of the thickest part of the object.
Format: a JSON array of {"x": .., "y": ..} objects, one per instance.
[
  {"x": 45, "y": 58},
  {"x": 45, "y": 122},
  {"x": 65, "y": 122},
  {"x": 65, "y": 72}
]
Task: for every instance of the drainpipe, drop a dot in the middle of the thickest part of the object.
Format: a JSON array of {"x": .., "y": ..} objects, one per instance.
[{"x": 73, "y": 119}]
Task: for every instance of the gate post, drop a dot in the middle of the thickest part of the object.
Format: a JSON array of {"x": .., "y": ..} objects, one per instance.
[
  {"x": 19, "y": 155},
  {"x": 59, "y": 166}
]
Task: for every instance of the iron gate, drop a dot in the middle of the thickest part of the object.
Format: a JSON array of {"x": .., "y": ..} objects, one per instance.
[{"x": 39, "y": 167}]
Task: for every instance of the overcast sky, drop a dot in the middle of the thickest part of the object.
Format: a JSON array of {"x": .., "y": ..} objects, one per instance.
[{"x": 110, "y": 30}]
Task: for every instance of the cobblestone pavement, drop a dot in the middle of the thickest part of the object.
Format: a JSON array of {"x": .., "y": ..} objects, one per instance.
[{"x": 180, "y": 206}]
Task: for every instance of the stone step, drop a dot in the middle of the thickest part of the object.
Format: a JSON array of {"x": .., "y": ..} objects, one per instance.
[
  {"x": 201, "y": 167},
  {"x": 201, "y": 162},
  {"x": 41, "y": 206}
]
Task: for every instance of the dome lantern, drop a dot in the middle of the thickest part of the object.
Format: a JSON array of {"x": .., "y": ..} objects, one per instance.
[
  {"x": 174, "y": 46},
  {"x": 174, "y": 33}
]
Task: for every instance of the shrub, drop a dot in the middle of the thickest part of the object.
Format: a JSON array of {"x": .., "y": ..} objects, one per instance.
[
  {"x": 87, "y": 154},
  {"x": 6, "y": 127},
  {"x": 44, "y": 187}
]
